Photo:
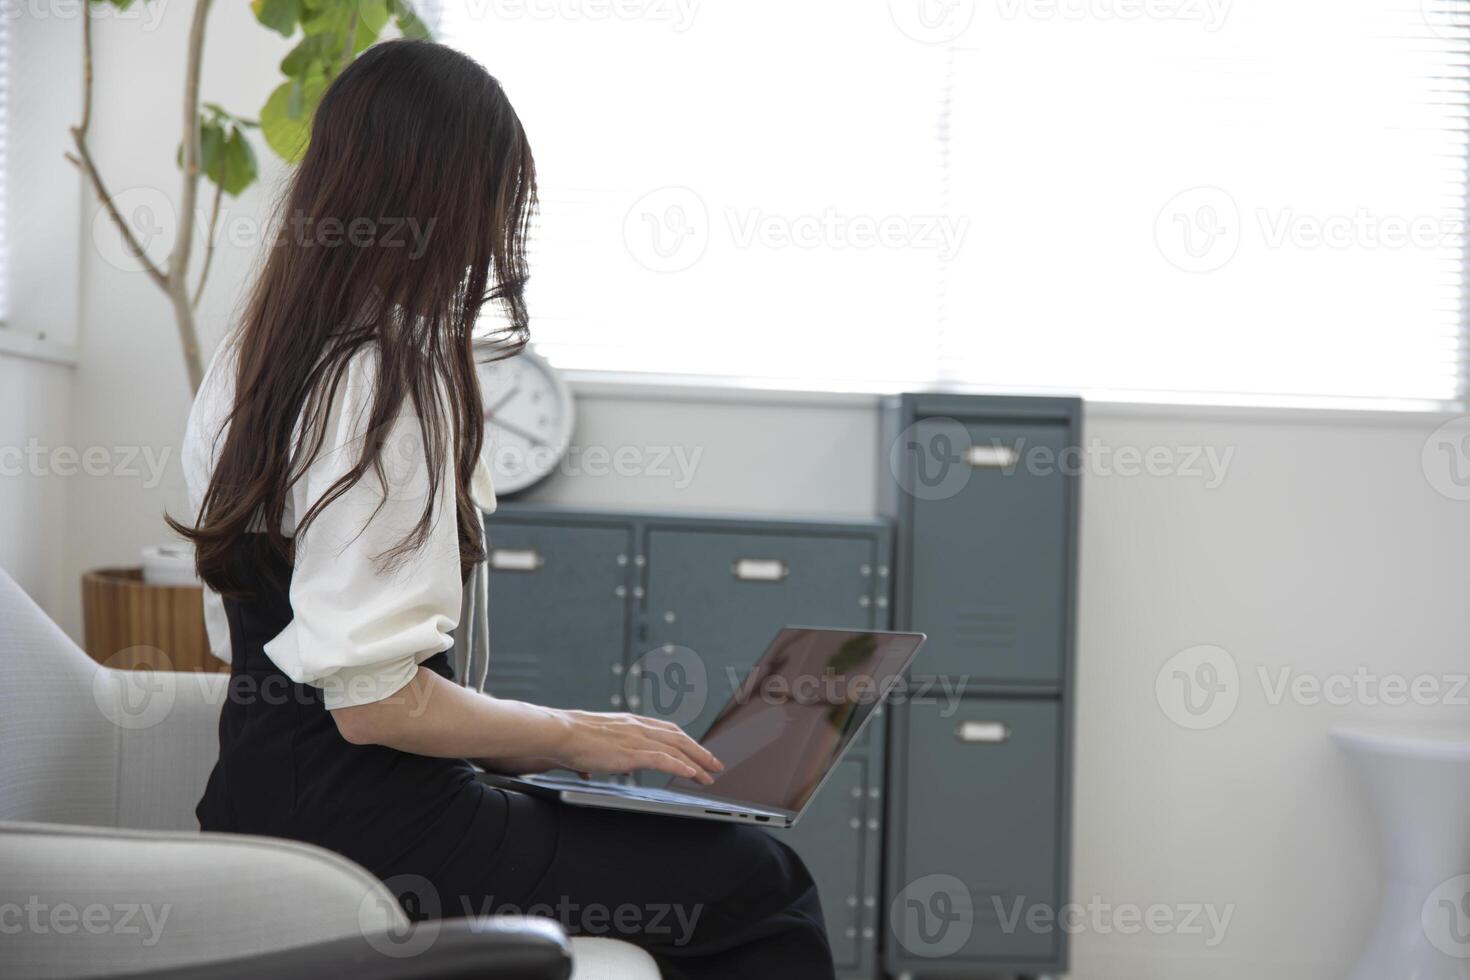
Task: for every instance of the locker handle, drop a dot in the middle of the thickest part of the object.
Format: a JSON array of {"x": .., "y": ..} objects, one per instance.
[
  {"x": 994, "y": 456},
  {"x": 983, "y": 732},
  {"x": 759, "y": 569},
  {"x": 516, "y": 559}
]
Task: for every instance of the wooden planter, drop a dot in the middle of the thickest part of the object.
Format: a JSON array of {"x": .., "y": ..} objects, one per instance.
[{"x": 130, "y": 624}]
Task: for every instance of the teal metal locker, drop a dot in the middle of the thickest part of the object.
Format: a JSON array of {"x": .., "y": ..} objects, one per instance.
[
  {"x": 662, "y": 615},
  {"x": 984, "y": 493}
]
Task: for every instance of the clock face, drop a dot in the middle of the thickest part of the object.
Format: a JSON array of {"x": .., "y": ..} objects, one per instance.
[{"x": 528, "y": 420}]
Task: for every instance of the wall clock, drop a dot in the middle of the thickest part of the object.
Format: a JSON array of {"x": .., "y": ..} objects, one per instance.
[{"x": 529, "y": 415}]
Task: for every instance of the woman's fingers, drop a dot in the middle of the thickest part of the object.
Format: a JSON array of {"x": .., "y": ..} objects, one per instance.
[
  {"x": 688, "y": 747},
  {"x": 691, "y": 748},
  {"x": 664, "y": 762},
  {"x": 702, "y": 774}
]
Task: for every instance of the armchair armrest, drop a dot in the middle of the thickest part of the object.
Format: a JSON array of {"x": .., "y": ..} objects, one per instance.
[{"x": 505, "y": 947}]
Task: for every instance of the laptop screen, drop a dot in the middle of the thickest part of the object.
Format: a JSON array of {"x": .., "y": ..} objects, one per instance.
[{"x": 797, "y": 711}]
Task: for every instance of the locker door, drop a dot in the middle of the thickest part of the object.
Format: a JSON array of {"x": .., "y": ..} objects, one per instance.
[
  {"x": 558, "y": 613},
  {"x": 980, "y": 805},
  {"x": 989, "y": 572},
  {"x": 715, "y": 599},
  {"x": 830, "y": 839}
]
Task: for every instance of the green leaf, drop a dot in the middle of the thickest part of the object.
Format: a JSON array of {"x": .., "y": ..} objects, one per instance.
[
  {"x": 372, "y": 17},
  {"x": 411, "y": 26},
  {"x": 314, "y": 52},
  {"x": 211, "y": 138},
  {"x": 296, "y": 98},
  {"x": 408, "y": 21},
  {"x": 287, "y": 131},
  {"x": 279, "y": 15},
  {"x": 329, "y": 17},
  {"x": 332, "y": 17},
  {"x": 222, "y": 115},
  {"x": 237, "y": 166},
  {"x": 225, "y": 155}
]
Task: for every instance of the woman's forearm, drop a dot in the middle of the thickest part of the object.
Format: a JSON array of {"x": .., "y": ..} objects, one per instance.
[{"x": 436, "y": 717}]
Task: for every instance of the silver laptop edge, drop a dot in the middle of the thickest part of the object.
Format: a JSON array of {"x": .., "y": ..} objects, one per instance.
[
  {"x": 693, "y": 803},
  {"x": 626, "y": 798}
]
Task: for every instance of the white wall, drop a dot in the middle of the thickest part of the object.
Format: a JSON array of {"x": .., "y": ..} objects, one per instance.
[
  {"x": 34, "y": 411},
  {"x": 42, "y": 211},
  {"x": 1325, "y": 548}
]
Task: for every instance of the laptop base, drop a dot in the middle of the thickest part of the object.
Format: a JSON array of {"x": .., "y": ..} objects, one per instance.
[{"x": 638, "y": 799}]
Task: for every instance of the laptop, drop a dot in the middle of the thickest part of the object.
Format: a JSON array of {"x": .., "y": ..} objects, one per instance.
[{"x": 780, "y": 735}]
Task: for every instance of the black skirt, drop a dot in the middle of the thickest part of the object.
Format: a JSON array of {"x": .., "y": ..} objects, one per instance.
[{"x": 706, "y": 899}]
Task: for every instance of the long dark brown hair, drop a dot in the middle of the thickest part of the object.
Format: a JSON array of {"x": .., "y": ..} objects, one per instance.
[{"x": 407, "y": 214}]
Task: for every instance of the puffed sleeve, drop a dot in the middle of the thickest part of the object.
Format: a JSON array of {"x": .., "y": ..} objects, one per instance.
[{"x": 360, "y": 627}]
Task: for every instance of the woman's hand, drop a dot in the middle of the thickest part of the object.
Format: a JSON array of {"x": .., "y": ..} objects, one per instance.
[{"x": 595, "y": 741}]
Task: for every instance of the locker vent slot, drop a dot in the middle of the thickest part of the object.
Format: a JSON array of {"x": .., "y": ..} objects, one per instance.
[{"x": 989, "y": 628}]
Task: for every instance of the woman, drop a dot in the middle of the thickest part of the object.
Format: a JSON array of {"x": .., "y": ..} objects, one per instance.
[{"x": 333, "y": 455}]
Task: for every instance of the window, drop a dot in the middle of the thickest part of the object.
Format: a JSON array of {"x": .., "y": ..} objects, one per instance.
[
  {"x": 4, "y": 168},
  {"x": 1186, "y": 198}
]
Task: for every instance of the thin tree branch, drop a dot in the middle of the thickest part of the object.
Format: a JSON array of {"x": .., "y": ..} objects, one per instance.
[
  {"x": 209, "y": 244},
  {"x": 83, "y": 160},
  {"x": 86, "y": 122},
  {"x": 178, "y": 263},
  {"x": 177, "y": 285}
]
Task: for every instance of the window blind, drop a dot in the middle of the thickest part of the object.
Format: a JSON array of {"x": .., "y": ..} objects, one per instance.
[
  {"x": 1177, "y": 198},
  {"x": 4, "y": 167},
  {"x": 1263, "y": 197}
]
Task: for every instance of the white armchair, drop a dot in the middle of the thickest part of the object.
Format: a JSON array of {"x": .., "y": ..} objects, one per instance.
[{"x": 103, "y": 871}]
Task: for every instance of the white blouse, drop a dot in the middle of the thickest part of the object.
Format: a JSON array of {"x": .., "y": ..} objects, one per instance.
[{"x": 359, "y": 630}]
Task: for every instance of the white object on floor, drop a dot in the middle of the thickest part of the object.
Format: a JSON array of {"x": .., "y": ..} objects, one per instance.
[
  {"x": 169, "y": 564},
  {"x": 1418, "y": 783}
]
